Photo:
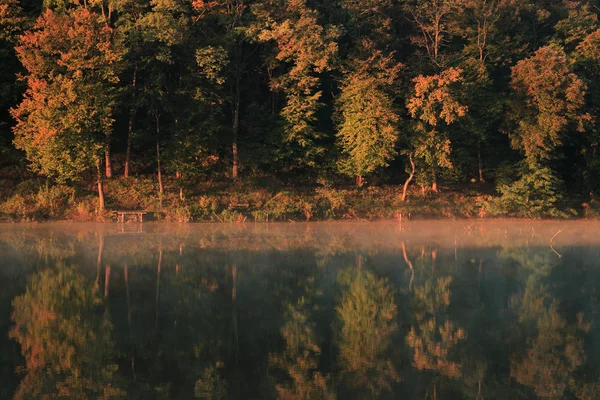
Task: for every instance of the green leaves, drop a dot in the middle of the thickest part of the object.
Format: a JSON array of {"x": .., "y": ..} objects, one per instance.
[
  {"x": 367, "y": 119},
  {"x": 308, "y": 49}
]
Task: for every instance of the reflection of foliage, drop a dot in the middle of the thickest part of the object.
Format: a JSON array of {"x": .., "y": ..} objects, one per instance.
[
  {"x": 432, "y": 342},
  {"x": 585, "y": 391},
  {"x": 210, "y": 385},
  {"x": 538, "y": 263},
  {"x": 555, "y": 350},
  {"x": 366, "y": 324},
  {"x": 65, "y": 337},
  {"x": 300, "y": 359}
]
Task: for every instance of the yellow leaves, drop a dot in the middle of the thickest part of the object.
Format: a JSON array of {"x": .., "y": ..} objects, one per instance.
[
  {"x": 432, "y": 345},
  {"x": 367, "y": 127},
  {"x": 366, "y": 316}
]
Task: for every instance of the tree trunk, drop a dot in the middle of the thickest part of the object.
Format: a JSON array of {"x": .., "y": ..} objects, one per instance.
[
  {"x": 410, "y": 177},
  {"x": 479, "y": 165},
  {"x": 130, "y": 127},
  {"x": 360, "y": 181},
  {"x": 107, "y": 163},
  {"x": 100, "y": 188},
  {"x": 236, "y": 124},
  {"x": 160, "y": 182},
  {"x": 434, "y": 186}
]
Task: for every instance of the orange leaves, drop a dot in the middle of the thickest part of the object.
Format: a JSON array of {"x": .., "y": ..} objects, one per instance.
[
  {"x": 589, "y": 48},
  {"x": 71, "y": 63},
  {"x": 552, "y": 98},
  {"x": 73, "y": 42},
  {"x": 205, "y": 5},
  {"x": 10, "y": 19},
  {"x": 434, "y": 99}
]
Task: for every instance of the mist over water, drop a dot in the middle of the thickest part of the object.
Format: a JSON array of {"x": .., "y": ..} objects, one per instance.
[{"x": 423, "y": 310}]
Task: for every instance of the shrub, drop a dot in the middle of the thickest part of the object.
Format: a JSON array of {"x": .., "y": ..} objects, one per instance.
[
  {"x": 335, "y": 199},
  {"x": 54, "y": 200},
  {"x": 535, "y": 195}
]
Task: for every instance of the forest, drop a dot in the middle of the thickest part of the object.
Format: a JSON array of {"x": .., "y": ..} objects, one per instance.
[{"x": 224, "y": 110}]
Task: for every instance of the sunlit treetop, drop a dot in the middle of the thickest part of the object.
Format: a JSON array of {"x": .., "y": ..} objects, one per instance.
[{"x": 553, "y": 99}]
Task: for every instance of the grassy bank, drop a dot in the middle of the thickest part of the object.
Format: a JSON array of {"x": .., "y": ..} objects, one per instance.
[{"x": 35, "y": 200}]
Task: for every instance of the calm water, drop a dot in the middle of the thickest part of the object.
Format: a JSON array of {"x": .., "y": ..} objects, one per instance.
[{"x": 422, "y": 310}]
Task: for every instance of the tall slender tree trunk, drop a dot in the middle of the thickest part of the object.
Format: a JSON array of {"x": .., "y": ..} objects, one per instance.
[
  {"x": 107, "y": 162},
  {"x": 360, "y": 181},
  {"x": 130, "y": 126},
  {"x": 434, "y": 185},
  {"x": 479, "y": 164},
  {"x": 160, "y": 182},
  {"x": 236, "y": 124},
  {"x": 410, "y": 177},
  {"x": 100, "y": 187}
]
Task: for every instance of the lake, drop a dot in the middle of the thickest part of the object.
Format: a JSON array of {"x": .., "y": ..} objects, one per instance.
[{"x": 412, "y": 310}]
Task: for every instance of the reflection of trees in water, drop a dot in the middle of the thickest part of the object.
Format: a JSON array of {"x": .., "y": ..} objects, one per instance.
[
  {"x": 301, "y": 355},
  {"x": 554, "y": 348},
  {"x": 240, "y": 316},
  {"x": 65, "y": 337},
  {"x": 434, "y": 337},
  {"x": 365, "y": 328}
]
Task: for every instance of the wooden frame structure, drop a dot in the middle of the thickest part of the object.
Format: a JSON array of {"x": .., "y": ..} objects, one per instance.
[{"x": 137, "y": 215}]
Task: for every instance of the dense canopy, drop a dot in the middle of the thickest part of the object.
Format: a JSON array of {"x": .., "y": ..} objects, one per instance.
[{"x": 502, "y": 95}]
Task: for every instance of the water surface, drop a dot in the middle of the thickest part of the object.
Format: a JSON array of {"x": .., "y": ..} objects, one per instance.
[{"x": 419, "y": 310}]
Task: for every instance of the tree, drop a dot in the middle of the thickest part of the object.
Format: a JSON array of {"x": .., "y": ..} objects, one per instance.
[
  {"x": 65, "y": 337},
  {"x": 67, "y": 110},
  {"x": 301, "y": 355},
  {"x": 309, "y": 49},
  {"x": 548, "y": 104},
  {"x": 232, "y": 19},
  {"x": 554, "y": 347},
  {"x": 365, "y": 328},
  {"x": 435, "y": 104},
  {"x": 367, "y": 121},
  {"x": 435, "y": 26},
  {"x": 587, "y": 57},
  {"x": 549, "y": 100}
]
